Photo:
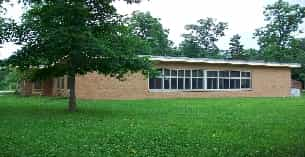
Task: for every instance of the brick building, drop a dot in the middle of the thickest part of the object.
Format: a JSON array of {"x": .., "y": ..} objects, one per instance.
[{"x": 180, "y": 77}]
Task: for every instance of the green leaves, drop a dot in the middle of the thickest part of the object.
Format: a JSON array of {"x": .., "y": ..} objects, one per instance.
[
  {"x": 202, "y": 37},
  {"x": 150, "y": 30},
  {"x": 283, "y": 20},
  {"x": 81, "y": 36},
  {"x": 236, "y": 48}
]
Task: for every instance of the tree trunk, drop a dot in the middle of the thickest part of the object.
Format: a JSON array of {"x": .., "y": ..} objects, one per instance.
[{"x": 72, "y": 97}]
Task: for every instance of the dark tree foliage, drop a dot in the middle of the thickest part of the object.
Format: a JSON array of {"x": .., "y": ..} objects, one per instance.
[
  {"x": 151, "y": 31},
  {"x": 204, "y": 34},
  {"x": 236, "y": 48},
  {"x": 283, "y": 20},
  {"x": 6, "y": 24},
  {"x": 74, "y": 37},
  {"x": 190, "y": 48}
]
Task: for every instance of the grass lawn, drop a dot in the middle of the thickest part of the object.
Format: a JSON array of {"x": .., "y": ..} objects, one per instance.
[{"x": 262, "y": 127}]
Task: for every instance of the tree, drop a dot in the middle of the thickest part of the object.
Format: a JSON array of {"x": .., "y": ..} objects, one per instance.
[
  {"x": 6, "y": 24},
  {"x": 283, "y": 21},
  {"x": 150, "y": 30},
  {"x": 236, "y": 48},
  {"x": 204, "y": 34},
  {"x": 74, "y": 37},
  {"x": 190, "y": 48},
  {"x": 8, "y": 79},
  {"x": 276, "y": 39},
  {"x": 297, "y": 51}
]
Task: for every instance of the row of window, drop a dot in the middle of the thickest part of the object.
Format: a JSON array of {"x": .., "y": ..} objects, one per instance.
[
  {"x": 200, "y": 80},
  {"x": 59, "y": 81}
]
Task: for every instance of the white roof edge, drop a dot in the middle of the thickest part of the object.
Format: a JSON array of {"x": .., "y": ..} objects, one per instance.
[{"x": 221, "y": 61}]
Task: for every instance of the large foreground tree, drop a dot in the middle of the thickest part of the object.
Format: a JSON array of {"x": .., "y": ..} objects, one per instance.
[{"x": 74, "y": 37}]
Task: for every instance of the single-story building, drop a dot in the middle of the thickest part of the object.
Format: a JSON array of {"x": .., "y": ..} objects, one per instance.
[{"x": 180, "y": 77}]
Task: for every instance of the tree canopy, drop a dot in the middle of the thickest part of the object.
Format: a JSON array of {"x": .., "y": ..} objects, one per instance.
[
  {"x": 283, "y": 21},
  {"x": 236, "y": 48},
  {"x": 151, "y": 31},
  {"x": 205, "y": 33},
  {"x": 74, "y": 37}
]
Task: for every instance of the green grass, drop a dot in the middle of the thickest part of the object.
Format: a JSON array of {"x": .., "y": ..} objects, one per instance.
[{"x": 262, "y": 127}]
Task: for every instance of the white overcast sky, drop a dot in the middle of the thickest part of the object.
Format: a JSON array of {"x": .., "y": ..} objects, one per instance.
[{"x": 243, "y": 17}]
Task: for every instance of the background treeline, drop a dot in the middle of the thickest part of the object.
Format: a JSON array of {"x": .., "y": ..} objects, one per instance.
[
  {"x": 277, "y": 39},
  {"x": 145, "y": 34}
]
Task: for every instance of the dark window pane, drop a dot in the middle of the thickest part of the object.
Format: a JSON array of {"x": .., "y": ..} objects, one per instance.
[
  {"x": 173, "y": 83},
  {"x": 235, "y": 73},
  {"x": 37, "y": 84},
  {"x": 197, "y": 83},
  {"x": 180, "y": 83},
  {"x": 245, "y": 74},
  {"x": 58, "y": 83},
  {"x": 62, "y": 83},
  {"x": 194, "y": 83},
  {"x": 166, "y": 83},
  {"x": 155, "y": 83},
  {"x": 212, "y": 73},
  {"x": 212, "y": 83},
  {"x": 234, "y": 84},
  {"x": 194, "y": 73},
  {"x": 166, "y": 72},
  {"x": 200, "y": 73},
  {"x": 174, "y": 73},
  {"x": 223, "y": 73},
  {"x": 69, "y": 85},
  {"x": 245, "y": 83},
  {"x": 224, "y": 83},
  {"x": 187, "y": 73},
  {"x": 200, "y": 83},
  {"x": 187, "y": 83},
  {"x": 181, "y": 73}
]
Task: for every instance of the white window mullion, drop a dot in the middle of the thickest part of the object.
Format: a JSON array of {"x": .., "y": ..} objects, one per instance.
[
  {"x": 205, "y": 80},
  {"x": 240, "y": 79},
  {"x": 177, "y": 80},
  {"x": 191, "y": 79},
  {"x": 217, "y": 80},
  {"x": 183, "y": 79}
]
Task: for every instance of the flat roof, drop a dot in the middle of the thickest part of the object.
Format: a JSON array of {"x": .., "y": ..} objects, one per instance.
[{"x": 222, "y": 61}]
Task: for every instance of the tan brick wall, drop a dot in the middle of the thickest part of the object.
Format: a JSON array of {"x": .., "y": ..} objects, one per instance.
[{"x": 266, "y": 82}]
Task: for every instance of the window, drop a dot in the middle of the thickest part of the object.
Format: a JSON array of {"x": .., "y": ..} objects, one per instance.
[
  {"x": 38, "y": 84},
  {"x": 187, "y": 80},
  {"x": 61, "y": 83},
  {"x": 212, "y": 79},
  {"x": 180, "y": 79},
  {"x": 156, "y": 83},
  {"x": 246, "y": 80},
  {"x": 174, "y": 79},
  {"x": 235, "y": 80},
  {"x": 167, "y": 78},
  {"x": 196, "y": 79},
  {"x": 224, "y": 80}
]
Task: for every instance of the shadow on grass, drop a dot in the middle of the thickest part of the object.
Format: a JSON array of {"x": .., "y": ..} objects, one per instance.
[{"x": 51, "y": 108}]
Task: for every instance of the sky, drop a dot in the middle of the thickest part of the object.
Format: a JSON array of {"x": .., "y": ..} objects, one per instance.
[{"x": 243, "y": 17}]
